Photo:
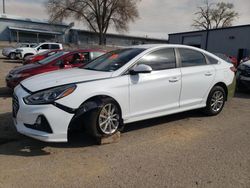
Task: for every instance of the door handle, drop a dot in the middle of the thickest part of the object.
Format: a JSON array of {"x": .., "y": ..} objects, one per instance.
[
  {"x": 173, "y": 80},
  {"x": 208, "y": 74}
]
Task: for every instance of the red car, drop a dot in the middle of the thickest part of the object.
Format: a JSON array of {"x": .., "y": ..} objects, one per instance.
[
  {"x": 39, "y": 57},
  {"x": 60, "y": 60},
  {"x": 234, "y": 61}
]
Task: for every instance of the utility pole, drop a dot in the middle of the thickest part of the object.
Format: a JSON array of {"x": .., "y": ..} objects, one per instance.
[{"x": 3, "y": 6}]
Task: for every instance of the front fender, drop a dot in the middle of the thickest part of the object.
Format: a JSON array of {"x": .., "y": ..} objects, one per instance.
[{"x": 80, "y": 113}]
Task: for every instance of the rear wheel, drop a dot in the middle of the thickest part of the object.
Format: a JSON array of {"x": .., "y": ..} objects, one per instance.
[
  {"x": 216, "y": 101},
  {"x": 104, "y": 121},
  {"x": 12, "y": 56}
]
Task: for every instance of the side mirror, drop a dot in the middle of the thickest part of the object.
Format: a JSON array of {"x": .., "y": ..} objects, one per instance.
[{"x": 141, "y": 69}]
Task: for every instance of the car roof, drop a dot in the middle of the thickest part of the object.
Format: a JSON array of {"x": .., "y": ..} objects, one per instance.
[
  {"x": 49, "y": 43},
  {"x": 149, "y": 46}
]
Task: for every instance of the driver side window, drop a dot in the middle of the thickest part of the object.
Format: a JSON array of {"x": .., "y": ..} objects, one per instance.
[{"x": 160, "y": 60}]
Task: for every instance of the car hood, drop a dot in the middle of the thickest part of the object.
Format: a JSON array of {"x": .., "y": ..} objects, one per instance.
[
  {"x": 62, "y": 77},
  {"x": 9, "y": 49},
  {"x": 24, "y": 68}
]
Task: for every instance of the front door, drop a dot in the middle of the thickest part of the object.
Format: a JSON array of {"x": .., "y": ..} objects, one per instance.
[{"x": 157, "y": 92}]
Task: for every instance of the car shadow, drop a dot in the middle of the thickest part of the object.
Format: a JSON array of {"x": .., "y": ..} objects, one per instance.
[
  {"x": 242, "y": 95},
  {"x": 5, "y": 92},
  {"x": 12, "y": 143},
  {"x": 163, "y": 120},
  {"x": 6, "y": 60}
]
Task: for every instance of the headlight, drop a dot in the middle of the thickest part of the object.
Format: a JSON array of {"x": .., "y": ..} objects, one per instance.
[{"x": 50, "y": 95}]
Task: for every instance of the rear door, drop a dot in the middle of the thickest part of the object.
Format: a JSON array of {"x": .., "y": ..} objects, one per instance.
[{"x": 197, "y": 77}]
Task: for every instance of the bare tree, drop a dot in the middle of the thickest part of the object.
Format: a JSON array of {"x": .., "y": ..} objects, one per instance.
[
  {"x": 204, "y": 16},
  {"x": 98, "y": 14},
  {"x": 224, "y": 15},
  {"x": 211, "y": 16}
]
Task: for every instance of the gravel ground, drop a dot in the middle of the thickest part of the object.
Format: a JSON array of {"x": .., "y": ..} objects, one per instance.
[{"x": 182, "y": 150}]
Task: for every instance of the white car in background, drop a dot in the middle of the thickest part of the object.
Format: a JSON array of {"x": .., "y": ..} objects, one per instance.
[
  {"x": 10, "y": 52},
  {"x": 23, "y": 52},
  {"x": 120, "y": 87}
]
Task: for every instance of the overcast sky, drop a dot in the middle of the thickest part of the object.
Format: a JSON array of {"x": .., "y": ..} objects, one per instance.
[{"x": 157, "y": 19}]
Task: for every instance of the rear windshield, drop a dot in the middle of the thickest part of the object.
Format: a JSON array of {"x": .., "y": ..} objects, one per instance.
[
  {"x": 224, "y": 57},
  {"x": 51, "y": 58},
  {"x": 114, "y": 60}
]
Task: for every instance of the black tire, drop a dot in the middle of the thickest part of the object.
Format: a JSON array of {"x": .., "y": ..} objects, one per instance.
[
  {"x": 12, "y": 56},
  {"x": 92, "y": 121},
  {"x": 212, "y": 109}
]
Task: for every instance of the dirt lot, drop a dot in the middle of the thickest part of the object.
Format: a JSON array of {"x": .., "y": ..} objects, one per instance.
[{"x": 183, "y": 150}]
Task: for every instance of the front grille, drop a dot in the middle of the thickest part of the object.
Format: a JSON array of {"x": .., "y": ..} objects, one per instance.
[{"x": 15, "y": 105}]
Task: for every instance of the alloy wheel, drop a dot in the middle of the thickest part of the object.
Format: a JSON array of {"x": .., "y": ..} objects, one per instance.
[
  {"x": 109, "y": 119},
  {"x": 217, "y": 101},
  {"x": 12, "y": 56}
]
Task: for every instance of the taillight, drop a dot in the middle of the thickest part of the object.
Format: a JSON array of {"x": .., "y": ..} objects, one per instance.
[{"x": 233, "y": 69}]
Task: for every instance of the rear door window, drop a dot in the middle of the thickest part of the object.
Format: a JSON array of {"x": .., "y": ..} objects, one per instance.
[
  {"x": 191, "y": 58},
  {"x": 54, "y": 47}
]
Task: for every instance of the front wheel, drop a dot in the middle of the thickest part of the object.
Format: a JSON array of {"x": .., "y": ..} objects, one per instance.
[
  {"x": 216, "y": 101},
  {"x": 104, "y": 121},
  {"x": 12, "y": 56}
]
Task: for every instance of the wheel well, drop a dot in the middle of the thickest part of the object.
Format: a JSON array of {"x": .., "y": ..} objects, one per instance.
[
  {"x": 27, "y": 54},
  {"x": 224, "y": 86},
  {"x": 102, "y": 97},
  {"x": 76, "y": 122},
  {"x": 11, "y": 53}
]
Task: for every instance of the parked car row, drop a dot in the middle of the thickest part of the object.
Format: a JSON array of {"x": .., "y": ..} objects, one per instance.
[
  {"x": 122, "y": 86},
  {"x": 50, "y": 61}
]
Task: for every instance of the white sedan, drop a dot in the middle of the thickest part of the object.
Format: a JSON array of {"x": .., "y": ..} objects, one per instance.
[{"x": 122, "y": 86}]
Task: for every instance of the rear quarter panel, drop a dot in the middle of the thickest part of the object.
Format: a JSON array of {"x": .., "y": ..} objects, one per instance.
[{"x": 225, "y": 75}]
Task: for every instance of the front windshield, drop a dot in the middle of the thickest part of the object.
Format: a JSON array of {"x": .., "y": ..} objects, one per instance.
[
  {"x": 36, "y": 45},
  {"x": 114, "y": 60},
  {"x": 51, "y": 58},
  {"x": 22, "y": 45}
]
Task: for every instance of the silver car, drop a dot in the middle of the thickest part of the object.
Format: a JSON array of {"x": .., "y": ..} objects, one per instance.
[{"x": 10, "y": 52}]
